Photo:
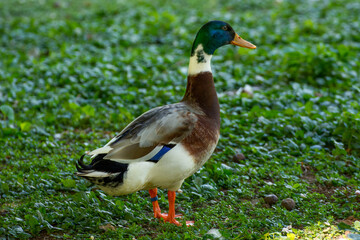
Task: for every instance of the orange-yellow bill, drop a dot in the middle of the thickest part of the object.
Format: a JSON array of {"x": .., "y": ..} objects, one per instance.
[{"x": 238, "y": 41}]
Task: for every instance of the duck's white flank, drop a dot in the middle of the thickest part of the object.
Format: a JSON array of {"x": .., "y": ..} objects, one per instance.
[
  {"x": 199, "y": 62},
  {"x": 135, "y": 179},
  {"x": 172, "y": 169},
  {"x": 169, "y": 173}
]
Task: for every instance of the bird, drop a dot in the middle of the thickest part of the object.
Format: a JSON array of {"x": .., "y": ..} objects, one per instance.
[{"x": 167, "y": 144}]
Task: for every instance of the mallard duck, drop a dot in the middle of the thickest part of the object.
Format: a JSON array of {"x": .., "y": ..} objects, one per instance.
[{"x": 167, "y": 144}]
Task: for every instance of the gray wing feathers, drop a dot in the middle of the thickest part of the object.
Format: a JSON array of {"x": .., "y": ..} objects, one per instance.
[
  {"x": 160, "y": 125},
  {"x": 142, "y": 137}
]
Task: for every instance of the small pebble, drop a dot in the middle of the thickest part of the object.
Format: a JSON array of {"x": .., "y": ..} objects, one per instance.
[
  {"x": 107, "y": 227},
  {"x": 288, "y": 203},
  {"x": 271, "y": 199},
  {"x": 238, "y": 157},
  {"x": 57, "y": 5}
]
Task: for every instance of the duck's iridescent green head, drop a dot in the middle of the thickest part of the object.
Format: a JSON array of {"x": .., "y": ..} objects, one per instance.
[{"x": 215, "y": 34}]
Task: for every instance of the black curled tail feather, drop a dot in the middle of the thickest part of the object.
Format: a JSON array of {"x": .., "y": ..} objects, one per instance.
[
  {"x": 114, "y": 170},
  {"x": 80, "y": 166},
  {"x": 83, "y": 168}
]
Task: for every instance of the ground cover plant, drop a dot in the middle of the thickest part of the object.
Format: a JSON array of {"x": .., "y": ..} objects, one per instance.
[{"x": 74, "y": 73}]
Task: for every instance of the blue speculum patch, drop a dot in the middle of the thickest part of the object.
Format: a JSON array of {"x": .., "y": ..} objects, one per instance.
[{"x": 161, "y": 153}]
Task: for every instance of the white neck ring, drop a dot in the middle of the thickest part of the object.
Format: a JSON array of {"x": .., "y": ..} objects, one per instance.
[{"x": 199, "y": 62}]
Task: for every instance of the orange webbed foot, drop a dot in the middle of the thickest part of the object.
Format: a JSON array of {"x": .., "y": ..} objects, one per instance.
[{"x": 167, "y": 217}]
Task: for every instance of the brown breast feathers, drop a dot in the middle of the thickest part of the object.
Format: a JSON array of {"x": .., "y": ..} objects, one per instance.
[{"x": 201, "y": 93}]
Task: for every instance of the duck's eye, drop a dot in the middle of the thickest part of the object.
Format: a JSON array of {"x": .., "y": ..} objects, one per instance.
[{"x": 225, "y": 28}]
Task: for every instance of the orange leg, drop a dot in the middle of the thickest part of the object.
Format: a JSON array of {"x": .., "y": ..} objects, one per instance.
[
  {"x": 156, "y": 207},
  {"x": 170, "y": 217}
]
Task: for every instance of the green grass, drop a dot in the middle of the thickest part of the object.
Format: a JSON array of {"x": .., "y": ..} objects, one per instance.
[{"x": 74, "y": 73}]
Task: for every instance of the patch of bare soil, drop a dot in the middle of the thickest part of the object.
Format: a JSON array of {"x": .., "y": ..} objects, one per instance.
[
  {"x": 349, "y": 220},
  {"x": 309, "y": 176},
  {"x": 43, "y": 235}
]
